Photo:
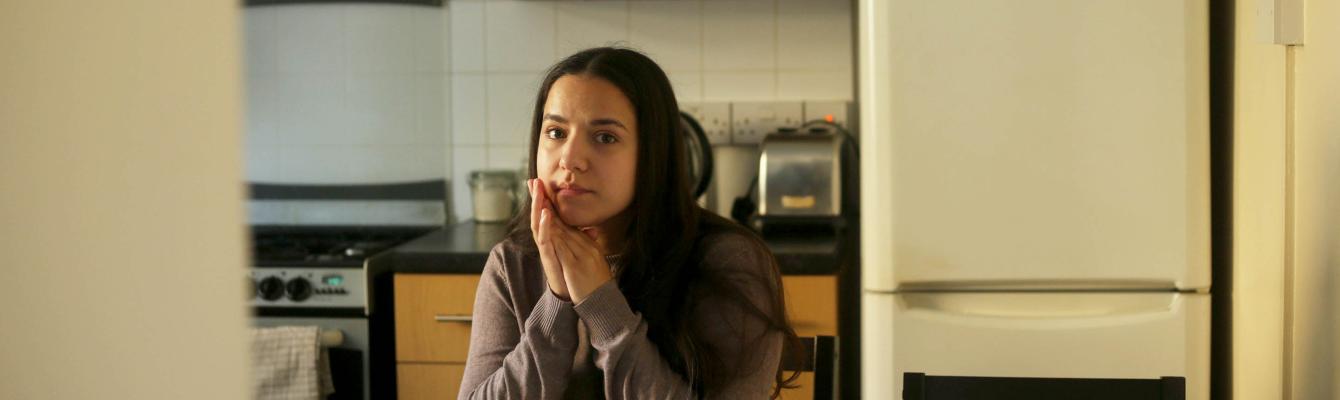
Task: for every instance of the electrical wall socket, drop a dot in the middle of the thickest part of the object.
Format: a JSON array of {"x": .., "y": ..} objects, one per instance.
[
  {"x": 839, "y": 110},
  {"x": 751, "y": 121},
  {"x": 714, "y": 118}
]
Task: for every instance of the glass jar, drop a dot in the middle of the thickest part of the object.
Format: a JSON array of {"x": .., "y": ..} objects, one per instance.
[{"x": 494, "y": 194}]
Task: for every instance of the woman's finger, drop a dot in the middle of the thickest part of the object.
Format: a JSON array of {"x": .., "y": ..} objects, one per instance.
[
  {"x": 535, "y": 206},
  {"x": 559, "y": 224},
  {"x": 546, "y": 191},
  {"x": 576, "y": 274},
  {"x": 583, "y": 268},
  {"x": 564, "y": 249},
  {"x": 587, "y": 237},
  {"x": 542, "y": 236},
  {"x": 581, "y": 244},
  {"x": 557, "y": 230},
  {"x": 553, "y": 266},
  {"x": 550, "y": 248}
]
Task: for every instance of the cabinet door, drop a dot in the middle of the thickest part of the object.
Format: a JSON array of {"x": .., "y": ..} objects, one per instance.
[
  {"x": 811, "y": 302},
  {"x": 432, "y": 316},
  {"x": 429, "y": 381}
]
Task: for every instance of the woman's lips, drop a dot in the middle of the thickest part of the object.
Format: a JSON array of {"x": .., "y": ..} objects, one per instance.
[{"x": 572, "y": 192}]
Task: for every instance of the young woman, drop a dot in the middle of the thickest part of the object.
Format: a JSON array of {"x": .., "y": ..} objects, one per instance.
[{"x": 615, "y": 284}]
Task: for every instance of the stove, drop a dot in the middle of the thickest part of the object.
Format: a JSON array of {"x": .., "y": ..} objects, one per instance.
[
  {"x": 305, "y": 275},
  {"x": 320, "y": 267},
  {"x": 311, "y": 245},
  {"x": 336, "y": 245}
]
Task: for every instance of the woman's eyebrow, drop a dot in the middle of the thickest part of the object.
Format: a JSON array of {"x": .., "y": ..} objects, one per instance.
[
  {"x": 598, "y": 122},
  {"x": 608, "y": 121}
]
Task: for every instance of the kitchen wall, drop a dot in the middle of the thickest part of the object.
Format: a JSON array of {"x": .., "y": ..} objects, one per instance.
[
  {"x": 351, "y": 93},
  {"x": 346, "y": 93},
  {"x": 1287, "y": 180},
  {"x": 1315, "y": 203},
  {"x": 712, "y": 51},
  {"x": 1259, "y": 171}
]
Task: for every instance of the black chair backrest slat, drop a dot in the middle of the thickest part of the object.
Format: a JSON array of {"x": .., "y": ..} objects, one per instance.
[
  {"x": 820, "y": 357},
  {"x": 919, "y": 386}
]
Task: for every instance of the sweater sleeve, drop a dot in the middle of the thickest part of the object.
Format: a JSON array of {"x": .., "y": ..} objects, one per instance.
[
  {"x": 511, "y": 362},
  {"x": 634, "y": 369}
]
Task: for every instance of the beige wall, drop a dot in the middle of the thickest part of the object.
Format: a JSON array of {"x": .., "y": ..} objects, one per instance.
[
  {"x": 1258, "y": 211},
  {"x": 121, "y": 223},
  {"x": 1316, "y": 204},
  {"x": 1287, "y": 210}
]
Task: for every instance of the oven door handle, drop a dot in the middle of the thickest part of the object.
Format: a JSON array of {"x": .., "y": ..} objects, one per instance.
[
  {"x": 464, "y": 318},
  {"x": 332, "y": 337}
]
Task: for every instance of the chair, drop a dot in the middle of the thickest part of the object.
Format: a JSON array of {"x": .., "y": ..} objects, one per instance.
[
  {"x": 820, "y": 357},
  {"x": 919, "y": 386}
]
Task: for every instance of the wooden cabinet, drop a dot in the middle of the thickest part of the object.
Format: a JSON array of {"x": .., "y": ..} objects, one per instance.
[
  {"x": 432, "y": 314},
  {"x": 432, "y": 332},
  {"x": 811, "y": 302},
  {"x": 428, "y": 381}
]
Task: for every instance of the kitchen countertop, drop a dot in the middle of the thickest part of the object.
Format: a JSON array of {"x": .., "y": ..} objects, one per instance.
[{"x": 463, "y": 248}]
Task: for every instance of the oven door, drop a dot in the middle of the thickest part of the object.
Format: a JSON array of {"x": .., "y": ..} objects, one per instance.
[{"x": 348, "y": 362}]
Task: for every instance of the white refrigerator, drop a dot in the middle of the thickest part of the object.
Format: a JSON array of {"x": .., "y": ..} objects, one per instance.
[{"x": 1035, "y": 190}]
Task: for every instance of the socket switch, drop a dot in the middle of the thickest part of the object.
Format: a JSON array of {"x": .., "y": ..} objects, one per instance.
[
  {"x": 714, "y": 117},
  {"x": 751, "y": 121}
]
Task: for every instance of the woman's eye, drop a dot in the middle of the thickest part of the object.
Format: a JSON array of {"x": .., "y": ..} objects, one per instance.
[
  {"x": 606, "y": 138},
  {"x": 554, "y": 133}
]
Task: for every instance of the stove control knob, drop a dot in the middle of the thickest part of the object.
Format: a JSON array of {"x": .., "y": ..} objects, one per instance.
[
  {"x": 271, "y": 288},
  {"x": 299, "y": 289}
]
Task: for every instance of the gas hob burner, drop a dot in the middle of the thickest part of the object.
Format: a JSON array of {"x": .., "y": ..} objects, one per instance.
[{"x": 325, "y": 246}]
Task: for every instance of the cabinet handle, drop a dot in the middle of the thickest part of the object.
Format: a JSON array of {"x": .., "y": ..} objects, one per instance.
[{"x": 466, "y": 318}]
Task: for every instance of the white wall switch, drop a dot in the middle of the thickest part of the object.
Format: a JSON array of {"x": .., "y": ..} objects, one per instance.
[
  {"x": 751, "y": 121},
  {"x": 714, "y": 118},
  {"x": 1279, "y": 21}
]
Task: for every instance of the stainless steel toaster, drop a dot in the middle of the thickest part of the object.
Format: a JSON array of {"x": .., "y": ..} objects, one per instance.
[{"x": 800, "y": 177}]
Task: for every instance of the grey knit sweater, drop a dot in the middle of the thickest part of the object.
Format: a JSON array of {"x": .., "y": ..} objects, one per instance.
[{"x": 526, "y": 343}]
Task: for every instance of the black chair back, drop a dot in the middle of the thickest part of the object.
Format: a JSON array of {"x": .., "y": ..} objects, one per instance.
[
  {"x": 919, "y": 386},
  {"x": 820, "y": 357}
]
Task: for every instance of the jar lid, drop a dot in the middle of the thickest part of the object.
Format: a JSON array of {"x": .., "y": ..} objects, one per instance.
[{"x": 492, "y": 174}]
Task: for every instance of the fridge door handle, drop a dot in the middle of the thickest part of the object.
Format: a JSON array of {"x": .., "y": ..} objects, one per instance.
[
  {"x": 1042, "y": 310},
  {"x": 1009, "y": 285}
]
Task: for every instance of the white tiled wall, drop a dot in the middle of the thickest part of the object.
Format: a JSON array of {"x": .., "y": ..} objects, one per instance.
[
  {"x": 360, "y": 92},
  {"x": 713, "y": 50},
  {"x": 347, "y": 93}
]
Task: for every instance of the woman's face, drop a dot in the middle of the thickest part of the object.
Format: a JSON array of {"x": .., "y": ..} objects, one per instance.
[{"x": 587, "y": 155}]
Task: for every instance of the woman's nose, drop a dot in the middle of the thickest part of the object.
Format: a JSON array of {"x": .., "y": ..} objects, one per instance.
[{"x": 574, "y": 155}]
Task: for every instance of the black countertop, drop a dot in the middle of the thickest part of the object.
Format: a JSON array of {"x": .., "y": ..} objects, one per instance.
[{"x": 464, "y": 247}]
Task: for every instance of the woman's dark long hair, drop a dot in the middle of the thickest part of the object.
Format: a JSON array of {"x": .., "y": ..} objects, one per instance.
[{"x": 662, "y": 257}]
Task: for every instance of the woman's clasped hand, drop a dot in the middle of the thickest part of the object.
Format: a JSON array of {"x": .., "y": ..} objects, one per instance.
[{"x": 574, "y": 264}]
